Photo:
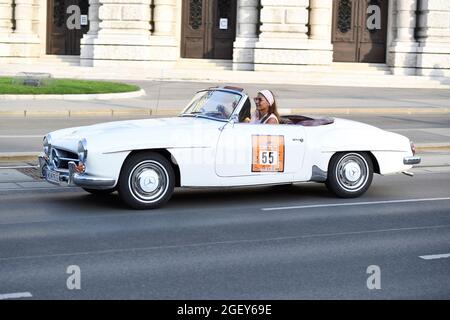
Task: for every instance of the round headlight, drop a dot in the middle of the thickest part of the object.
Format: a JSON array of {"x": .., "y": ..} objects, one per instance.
[
  {"x": 47, "y": 144},
  {"x": 82, "y": 150}
]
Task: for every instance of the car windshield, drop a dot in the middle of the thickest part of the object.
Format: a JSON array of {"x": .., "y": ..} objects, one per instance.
[{"x": 213, "y": 104}]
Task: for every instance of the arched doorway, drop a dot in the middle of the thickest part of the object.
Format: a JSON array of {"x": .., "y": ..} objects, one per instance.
[
  {"x": 360, "y": 30},
  {"x": 67, "y": 21},
  {"x": 208, "y": 29}
]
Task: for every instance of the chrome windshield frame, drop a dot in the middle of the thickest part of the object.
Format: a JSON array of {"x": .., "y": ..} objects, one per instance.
[{"x": 236, "y": 110}]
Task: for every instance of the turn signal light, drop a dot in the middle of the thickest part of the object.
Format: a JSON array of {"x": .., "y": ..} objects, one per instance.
[
  {"x": 413, "y": 149},
  {"x": 80, "y": 168}
]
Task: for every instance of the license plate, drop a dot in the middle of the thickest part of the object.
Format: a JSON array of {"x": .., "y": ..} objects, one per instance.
[{"x": 52, "y": 176}]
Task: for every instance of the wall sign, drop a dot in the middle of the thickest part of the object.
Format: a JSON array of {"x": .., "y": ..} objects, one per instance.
[
  {"x": 84, "y": 20},
  {"x": 223, "y": 23}
]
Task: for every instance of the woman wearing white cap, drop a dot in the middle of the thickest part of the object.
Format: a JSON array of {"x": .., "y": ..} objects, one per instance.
[{"x": 266, "y": 109}]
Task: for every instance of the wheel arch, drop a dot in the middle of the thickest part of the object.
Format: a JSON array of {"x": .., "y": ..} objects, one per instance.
[
  {"x": 166, "y": 154},
  {"x": 376, "y": 166}
]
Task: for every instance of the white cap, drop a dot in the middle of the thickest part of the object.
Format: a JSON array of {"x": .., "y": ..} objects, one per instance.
[{"x": 268, "y": 95}]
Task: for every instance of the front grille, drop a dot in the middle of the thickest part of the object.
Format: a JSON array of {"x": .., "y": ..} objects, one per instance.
[{"x": 60, "y": 158}]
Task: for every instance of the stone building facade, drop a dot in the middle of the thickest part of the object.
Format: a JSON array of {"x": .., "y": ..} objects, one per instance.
[{"x": 411, "y": 37}]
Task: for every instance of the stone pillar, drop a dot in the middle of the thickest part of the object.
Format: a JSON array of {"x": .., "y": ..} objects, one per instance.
[
  {"x": 284, "y": 43},
  {"x": 123, "y": 36},
  {"x": 402, "y": 57},
  {"x": 5, "y": 17},
  {"x": 164, "y": 46},
  {"x": 320, "y": 19},
  {"x": 246, "y": 34},
  {"x": 434, "y": 39},
  {"x": 24, "y": 17},
  {"x": 164, "y": 17},
  {"x": 87, "y": 42},
  {"x": 5, "y": 28},
  {"x": 94, "y": 21},
  {"x": 24, "y": 42}
]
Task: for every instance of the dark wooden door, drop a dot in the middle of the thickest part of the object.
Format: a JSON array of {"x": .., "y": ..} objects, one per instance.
[
  {"x": 208, "y": 29},
  {"x": 66, "y": 23},
  {"x": 360, "y": 30}
]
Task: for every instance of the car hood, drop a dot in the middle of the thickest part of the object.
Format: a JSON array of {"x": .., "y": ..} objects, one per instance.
[{"x": 141, "y": 134}]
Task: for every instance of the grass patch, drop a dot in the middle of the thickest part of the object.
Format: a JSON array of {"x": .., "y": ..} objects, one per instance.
[{"x": 66, "y": 86}]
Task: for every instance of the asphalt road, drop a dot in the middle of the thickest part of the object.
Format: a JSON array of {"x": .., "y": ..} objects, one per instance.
[
  {"x": 176, "y": 94},
  {"x": 25, "y": 135},
  {"x": 231, "y": 244}
]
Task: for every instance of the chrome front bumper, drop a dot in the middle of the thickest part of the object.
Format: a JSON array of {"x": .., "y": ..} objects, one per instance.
[
  {"x": 411, "y": 160},
  {"x": 71, "y": 178}
]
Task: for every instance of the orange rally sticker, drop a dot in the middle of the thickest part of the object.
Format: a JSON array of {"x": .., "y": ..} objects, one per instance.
[{"x": 267, "y": 153}]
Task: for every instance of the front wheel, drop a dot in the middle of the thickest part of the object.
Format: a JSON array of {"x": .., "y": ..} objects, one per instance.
[
  {"x": 350, "y": 174},
  {"x": 147, "y": 181}
]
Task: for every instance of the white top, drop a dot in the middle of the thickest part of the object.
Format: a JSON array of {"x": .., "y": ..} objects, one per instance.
[{"x": 256, "y": 120}]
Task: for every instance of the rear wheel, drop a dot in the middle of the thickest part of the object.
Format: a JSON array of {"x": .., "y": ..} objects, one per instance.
[
  {"x": 350, "y": 174},
  {"x": 147, "y": 181}
]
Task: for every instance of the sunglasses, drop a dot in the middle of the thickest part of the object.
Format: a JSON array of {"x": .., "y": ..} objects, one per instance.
[{"x": 257, "y": 99}]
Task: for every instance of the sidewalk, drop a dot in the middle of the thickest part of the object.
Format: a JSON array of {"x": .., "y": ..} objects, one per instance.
[
  {"x": 167, "y": 98},
  {"x": 328, "y": 76}
]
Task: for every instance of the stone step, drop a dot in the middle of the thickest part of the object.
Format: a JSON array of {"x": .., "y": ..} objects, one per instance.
[
  {"x": 59, "y": 60},
  {"x": 201, "y": 64},
  {"x": 360, "y": 68}
]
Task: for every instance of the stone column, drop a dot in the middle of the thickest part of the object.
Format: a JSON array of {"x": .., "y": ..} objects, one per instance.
[
  {"x": 24, "y": 16},
  {"x": 123, "y": 36},
  {"x": 320, "y": 19},
  {"x": 87, "y": 42},
  {"x": 94, "y": 21},
  {"x": 24, "y": 42},
  {"x": 246, "y": 34},
  {"x": 164, "y": 17},
  {"x": 164, "y": 46},
  {"x": 402, "y": 57},
  {"x": 434, "y": 39},
  {"x": 5, "y": 17},
  {"x": 5, "y": 28}
]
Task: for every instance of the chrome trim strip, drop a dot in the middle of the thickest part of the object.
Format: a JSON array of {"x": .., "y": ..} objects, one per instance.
[
  {"x": 92, "y": 182},
  {"x": 411, "y": 160}
]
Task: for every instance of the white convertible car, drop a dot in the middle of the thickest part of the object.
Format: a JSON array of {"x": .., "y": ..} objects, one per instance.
[{"x": 210, "y": 145}]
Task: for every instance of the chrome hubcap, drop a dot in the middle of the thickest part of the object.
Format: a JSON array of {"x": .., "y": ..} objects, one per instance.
[
  {"x": 352, "y": 172},
  {"x": 148, "y": 181}
]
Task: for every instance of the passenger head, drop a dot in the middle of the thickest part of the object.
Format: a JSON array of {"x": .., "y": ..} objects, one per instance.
[{"x": 266, "y": 101}]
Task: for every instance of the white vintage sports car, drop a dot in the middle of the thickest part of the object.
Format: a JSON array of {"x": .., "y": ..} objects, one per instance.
[{"x": 210, "y": 145}]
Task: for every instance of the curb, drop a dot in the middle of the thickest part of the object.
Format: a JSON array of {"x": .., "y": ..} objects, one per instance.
[
  {"x": 174, "y": 112},
  {"x": 72, "y": 97},
  {"x": 18, "y": 156}
]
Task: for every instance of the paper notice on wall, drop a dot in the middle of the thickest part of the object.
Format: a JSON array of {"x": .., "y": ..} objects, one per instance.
[
  {"x": 84, "y": 20},
  {"x": 223, "y": 23}
]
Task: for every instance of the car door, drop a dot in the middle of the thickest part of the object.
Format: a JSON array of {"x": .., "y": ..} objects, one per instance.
[{"x": 261, "y": 153}]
